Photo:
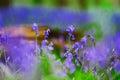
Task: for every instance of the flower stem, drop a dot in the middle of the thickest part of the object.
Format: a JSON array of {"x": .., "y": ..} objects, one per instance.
[
  {"x": 69, "y": 44},
  {"x": 36, "y": 44}
]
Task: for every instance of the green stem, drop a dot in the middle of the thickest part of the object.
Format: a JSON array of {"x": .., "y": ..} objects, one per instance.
[
  {"x": 69, "y": 44},
  {"x": 36, "y": 43}
]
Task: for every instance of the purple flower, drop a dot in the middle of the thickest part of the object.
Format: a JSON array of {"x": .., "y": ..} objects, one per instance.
[
  {"x": 66, "y": 53},
  {"x": 72, "y": 37},
  {"x": 0, "y": 35},
  {"x": 76, "y": 55},
  {"x": 83, "y": 40},
  {"x": 98, "y": 54},
  {"x": 4, "y": 39},
  {"x": 50, "y": 46},
  {"x": 35, "y": 28},
  {"x": 117, "y": 66},
  {"x": 72, "y": 67},
  {"x": 85, "y": 68},
  {"x": 75, "y": 46},
  {"x": 46, "y": 33},
  {"x": 70, "y": 29},
  {"x": 66, "y": 47},
  {"x": 116, "y": 40},
  {"x": 21, "y": 54},
  {"x": 68, "y": 62},
  {"x": 0, "y": 38},
  {"x": 44, "y": 43}
]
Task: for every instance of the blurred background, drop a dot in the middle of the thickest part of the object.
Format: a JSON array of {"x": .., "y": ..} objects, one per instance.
[{"x": 103, "y": 15}]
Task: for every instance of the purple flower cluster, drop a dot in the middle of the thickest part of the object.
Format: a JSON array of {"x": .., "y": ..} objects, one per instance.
[
  {"x": 21, "y": 54},
  {"x": 68, "y": 62},
  {"x": 35, "y": 28},
  {"x": 78, "y": 48},
  {"x": 46, "y": 33},
  {"x": 98, "y": 54},
  {"x": 44, "y": 43},
  {"x": 116, "y": 66},
  {"x": 4, "y": 39},
  {"x": 70, "y": 30}
]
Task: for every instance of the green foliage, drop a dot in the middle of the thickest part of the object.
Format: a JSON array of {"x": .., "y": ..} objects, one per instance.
[
  {"x": 53, "y": 77},
  {"x": 81, "y": 75},
  {"x": 96, "y": 29},
  {"x": 9, "y": 78},
  {"x": 44, "y": 70},
  {"x": 117, "y": 76}
]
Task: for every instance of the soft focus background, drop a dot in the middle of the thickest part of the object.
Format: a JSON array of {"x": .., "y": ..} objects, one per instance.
[{"x": 102, "y": 15}]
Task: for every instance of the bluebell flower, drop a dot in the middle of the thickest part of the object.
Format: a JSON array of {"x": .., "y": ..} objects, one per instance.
[
  {"x": 117, "y": 66},
  {"x": 4, "y": 39},
  {"x": 50, "y": 46},
  {"x": 85, "y": 68},
  {"x": 76, "y": 55},
  {"x": 72, "y": 37},
  {"x": 21, "y": 54},
  {"x": 66, "y": 47},
  {"x": 44, "y": 43},
  {"x": 75, "y": 46},
  {"x": 35, "y": 28},
  {"x": 70, "y": 29},
  {"x": 0, "y": 38},
  {"x": 68, "y": 62},
  {"x": 66, "y": 53},
  {"x": 46, "y": 33},
  {"x": 83, "y": 40},
  {"x": 116, "y": 41},
  {"x": 98, "y": 54}
]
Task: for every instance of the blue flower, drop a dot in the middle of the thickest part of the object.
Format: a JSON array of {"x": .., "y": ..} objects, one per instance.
[
  {"x": 0, "y": 38},
  {"x": 75, "y": 46},
  {"x": 76, "y": 55},
  {"x": 116, "y": 40},
  {"x": 50, "y": 46},
  {"x": 66, "y": 53},
  {"x": 98, "y": 53},
  {"x": 4, "y": 39},
  {"x": 83, "y": 40},
  {"x": 72, "y": 37},
  {"x": 117, "y": 66},
  {"x": 35, "y": 28},
  {"x": 46, "y": 33},
  {"x": 21, "y": 54},
  {"x": 70, "y": 29},
  {"x": 44, "y": 43},
  {"x": 68, "y": 62}
]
